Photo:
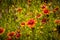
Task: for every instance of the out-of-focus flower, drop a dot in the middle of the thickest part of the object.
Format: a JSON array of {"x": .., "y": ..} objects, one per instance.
[
  {"x": 57, "y": 21},
  {"x": 56, "y": 9},
  {"x": 19, "y": 9},
  {"x": 11, "y": 34},
  {"x": 2, "y": 30},
  {"x": 29, "y": 2},
  {"x": 31, "y": 23},
  {"x": 22, "y": 24},
  {"x": 46, "y": 11},
  {"x": 38, "y": 15},
  {"x": 18, "y": 35},
  {"x": 44, "y": 20},
  {"x": 9, "y": 38},
  {"x": 43, "y": 6}
]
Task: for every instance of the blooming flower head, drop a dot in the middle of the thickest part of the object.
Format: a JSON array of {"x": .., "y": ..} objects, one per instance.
[
  {"x": 57, "y": 21},
  {"x": 22, "y": 24},
  {"x": 19, "y": 9},
  {"x": 31, "y": 23},
  {"x": 43, "y": 6},
  {"x": 11, "y": 34},
  {"x": 9, "y": 38},
  {"x": 46, "y": 11},
  {"x": 38, "y": 15},
  {"x": 18, "y": 35},
  {"x": 29, "y": 2},
  {"x": 55, "y": 9},
  {"x": 2, "y": 30},
  {"x": 44, "y": 20}
]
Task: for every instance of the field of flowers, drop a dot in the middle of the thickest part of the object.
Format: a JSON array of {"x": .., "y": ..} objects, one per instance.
[{"x": 29, "y": 19}]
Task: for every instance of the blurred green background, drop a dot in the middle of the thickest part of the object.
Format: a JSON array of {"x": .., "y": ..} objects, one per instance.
[{"x": 10, "y": 19}]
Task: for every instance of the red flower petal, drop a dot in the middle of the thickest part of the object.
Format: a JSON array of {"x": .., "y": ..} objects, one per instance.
[
  {"x": 38, "y": 16},
  {"x": 57, "y": 21},
  {"x": 56, "y": 8},
  {"x": 1, "y": 30},
  {"x": 22, "y": 24},
  {"x": 18, "y": 35},
  {"x": 46, "y": 11},
  {"x": 19, "y": 9},
  {"x": 44, "y": 6},
  {"x": 10, "y": 34},
  {"x": 9, "y": 38},
  {"x": 44, "y": 20},
  {"x": 31, "y": 23}
]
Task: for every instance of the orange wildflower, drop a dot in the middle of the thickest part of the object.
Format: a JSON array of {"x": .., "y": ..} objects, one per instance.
[
  {"x": 46, "y": 11},
  {"x": 44, "y": 20},
  {"x": 22, "y": 24},
  {"x": 19, "y": 9},
  {"x": 57, "y": 21},
  {"x": 18, "y": 35},
  {"x": 55, "y": 9},
  {"x": 9, "y": 38},
  {"x": 11, "y": 34},
  {"x": 31, "y": 23},
  {"x": 38, "y": 15},
  {"x": 2, "y": 30}
]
